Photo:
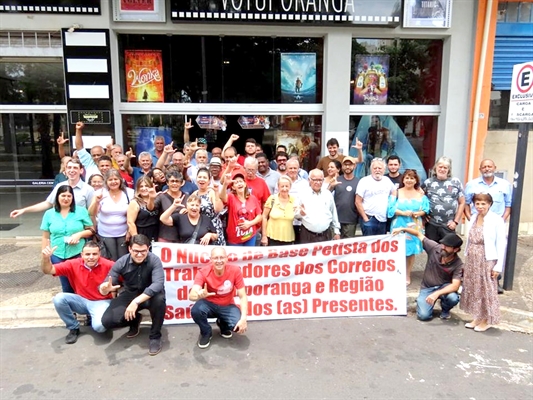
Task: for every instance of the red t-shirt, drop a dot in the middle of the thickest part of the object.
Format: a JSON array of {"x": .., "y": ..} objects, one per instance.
[
  {"x": 224, "y": 286},
  {"x": 259, "y": 189},
  {"x": 83, "y": 280},
  {"x": 127, "y": 178},
  {"x": 237, "y": 211}
]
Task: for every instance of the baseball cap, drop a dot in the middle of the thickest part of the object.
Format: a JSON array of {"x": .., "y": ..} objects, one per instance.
[
  {"x": 202, "y": 140},
  {"x": 215, "y": 161},
  {"x": 451, "y": 240},
  {"x": 350, "y": 159}
]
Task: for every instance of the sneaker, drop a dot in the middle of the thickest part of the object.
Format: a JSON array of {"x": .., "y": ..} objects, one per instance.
[
  {"x": 227, "y": 334},
  {"x": 204, "y": 341},
  {"x": 135, "y": 328},
  {"x": 72, "y": 336},
  {"x": 155, "y": 346},
  {"x": 445, "y": 315},
  {"x": 88, "y": 320}
]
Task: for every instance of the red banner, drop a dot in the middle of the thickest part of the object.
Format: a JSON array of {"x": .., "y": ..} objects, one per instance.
[
  {"x": 137, "y": 5},
  {"x": 144, "y": 75}
]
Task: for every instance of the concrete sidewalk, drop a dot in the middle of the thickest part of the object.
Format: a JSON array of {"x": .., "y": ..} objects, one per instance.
[{"x": 26, "y": 293}]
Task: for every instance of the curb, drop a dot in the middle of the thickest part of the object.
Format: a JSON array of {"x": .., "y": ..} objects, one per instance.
[{"x": 46, "y": 316}]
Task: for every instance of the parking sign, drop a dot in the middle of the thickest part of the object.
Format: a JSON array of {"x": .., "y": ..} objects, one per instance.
[{"x": 521, "y": 104}]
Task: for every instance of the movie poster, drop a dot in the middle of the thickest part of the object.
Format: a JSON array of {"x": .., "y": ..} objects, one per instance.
[
  {"x": 371, "y": 82},
  {"x": 144, "y": 75},
  {"x": 298, "y": 77},
  {"x": 145, "y": 137}
]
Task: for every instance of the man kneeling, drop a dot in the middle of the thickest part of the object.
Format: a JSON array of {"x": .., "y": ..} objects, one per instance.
[
  {"x": 141, "y": 273},
  {"x": 213, "y": 291},
  {"x": 84, "y": 274},
  {"x": 442, "y": 275}
]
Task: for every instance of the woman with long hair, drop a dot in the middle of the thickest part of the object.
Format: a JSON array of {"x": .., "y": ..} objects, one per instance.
[
  {"x": 142, "y": 215},
  {"x": 210, "y": 205},
  {"x": 244, "y": 211},
  {"x": 186, "y": 224},
  {"x": 158, "y": 178},
  {"x": 484, "y": 258},
  {"x": 278, "y": 215},
  {"x": 334, "y": 170},
  {"x": 110, "y": 206},
  {"x": 65, "y": 228},
  {"x": 407, "y": 210}
]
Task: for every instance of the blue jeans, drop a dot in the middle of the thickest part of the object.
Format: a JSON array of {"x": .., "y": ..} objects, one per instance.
[
  {"x": 250, "y": 242},
  {"x": 203, "y": 309},
  {"x": 424, "y": 311},
  {"x": 66, "y": 287},
  {"x": 373, "y": 227},
  {"x": 68, "y": 303}
]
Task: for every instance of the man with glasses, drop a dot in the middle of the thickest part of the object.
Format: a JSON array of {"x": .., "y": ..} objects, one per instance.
[
  {"x": 141, "y": 274},
  {"x": 372, "y": 199},
  {"x": 213, "y": 291},
  {"x": 318, "y": 211}
]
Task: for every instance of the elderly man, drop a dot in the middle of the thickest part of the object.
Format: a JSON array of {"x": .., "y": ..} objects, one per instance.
[
  {"x": 442, "y": 275},
  {"x": 141, "y": 274},
  {"x": 215, "y": 168},
  {"x": 201, "y": 158},
  {"x": 213, "y": 291},
  {"x": 446, "y": 200},
  {"x": 84, "y": 274},
  {"x": 83, "y": 193},
  {"x": 145, "y": 162},
  {"x": 264, "y": 171},
  {"x": 256, "y": 184},
  {"x": 500, "y": 190},
  {"x": 318, "y": 211},
  {"x": 372, "y": 199},
  {"x": 157, "y": 151}
]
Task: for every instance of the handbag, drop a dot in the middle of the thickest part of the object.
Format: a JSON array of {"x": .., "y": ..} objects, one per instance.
[{"x": 192, "y": 239}]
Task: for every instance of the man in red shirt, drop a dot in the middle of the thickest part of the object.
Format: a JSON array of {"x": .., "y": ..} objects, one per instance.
[
  {"x": 85, "y": 275},
  {"x": 214, "y": 291}
]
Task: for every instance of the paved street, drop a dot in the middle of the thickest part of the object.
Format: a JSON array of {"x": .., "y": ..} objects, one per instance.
[{"x": 350, "y": 358}]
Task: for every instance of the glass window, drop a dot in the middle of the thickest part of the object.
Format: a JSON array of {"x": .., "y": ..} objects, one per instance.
[
  {"x": 412, "y": 138},
  {"x": 396, "y": 71},
  {"x": 499, "y": 111},
  {"x": 300, "y": 134},
  {"x": 229, "y": 69},
  {"x": 32, "y": 83}
]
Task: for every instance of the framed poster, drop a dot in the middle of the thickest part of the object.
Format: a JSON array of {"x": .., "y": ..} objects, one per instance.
[
  {"x": 139, "y": 11},
  {"x": 427, "y": 14},
  {"x": 371, "y": 83},
  {"x": 144, "y": 75},
  {"x": 298, "y": 77}
]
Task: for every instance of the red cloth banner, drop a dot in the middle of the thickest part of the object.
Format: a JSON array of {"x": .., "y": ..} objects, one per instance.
[
  {"x": 137, "y": 5},
  {"x": 364, "y": 276},
  {"x": 144, "y": 75}
]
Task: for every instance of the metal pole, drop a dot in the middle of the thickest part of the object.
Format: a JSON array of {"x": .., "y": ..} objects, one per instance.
[{"x": 518, "y": 186}]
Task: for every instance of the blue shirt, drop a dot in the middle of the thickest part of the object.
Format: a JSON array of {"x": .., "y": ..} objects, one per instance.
[
  {"x": 499, "y": 189},
  {"x": 60, "y": 228}
]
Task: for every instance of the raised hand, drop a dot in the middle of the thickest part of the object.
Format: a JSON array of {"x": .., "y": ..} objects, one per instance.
[
  {"x": 129, "y": 153},
  {"x": 234, "y": 137},
  {"x": 80, "y": 125},
  {"x": 169, "y": 148},
  {"x": 152, "y": 193},
  {"x": 48, "y": 251},
  {"x": 188, "y": 125},
  {"x": 61, "y": 139},
  {"x": 358, "y": 144}
]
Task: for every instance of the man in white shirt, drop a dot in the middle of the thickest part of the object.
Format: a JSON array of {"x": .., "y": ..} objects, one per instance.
[
  {"x": 318, "y": 212},
  {"x": 372, "y": 199},
  {"x": 89, "y": 161}
]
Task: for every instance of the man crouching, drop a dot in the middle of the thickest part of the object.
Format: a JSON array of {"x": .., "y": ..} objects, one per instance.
[{"x": 214, "y": 291}]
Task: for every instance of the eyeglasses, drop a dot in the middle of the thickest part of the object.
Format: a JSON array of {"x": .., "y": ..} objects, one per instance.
[
  {"x": 281, "y": 161},
  {"x": 172, "y": 181},
  {"x": 251, "y": 170},
  {"x": 139, "y": 252},
  {"x": 317, "y": 180}
]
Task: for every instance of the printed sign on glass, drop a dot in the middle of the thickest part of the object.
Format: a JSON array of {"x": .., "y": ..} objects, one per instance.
[
  {"x": 371, "y": 83},
  {"x": 298, "y": 77},
  {"x": 144, "y": 75}
]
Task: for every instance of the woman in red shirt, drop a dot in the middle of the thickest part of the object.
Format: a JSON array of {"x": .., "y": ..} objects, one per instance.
[{"x": 244, "y": 211}]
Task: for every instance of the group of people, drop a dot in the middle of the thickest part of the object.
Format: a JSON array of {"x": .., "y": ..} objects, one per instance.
[{"x": 222, "y": 198}]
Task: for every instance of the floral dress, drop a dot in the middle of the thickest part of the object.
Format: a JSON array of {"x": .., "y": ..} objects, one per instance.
[{"x": 208, "y": 209}]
